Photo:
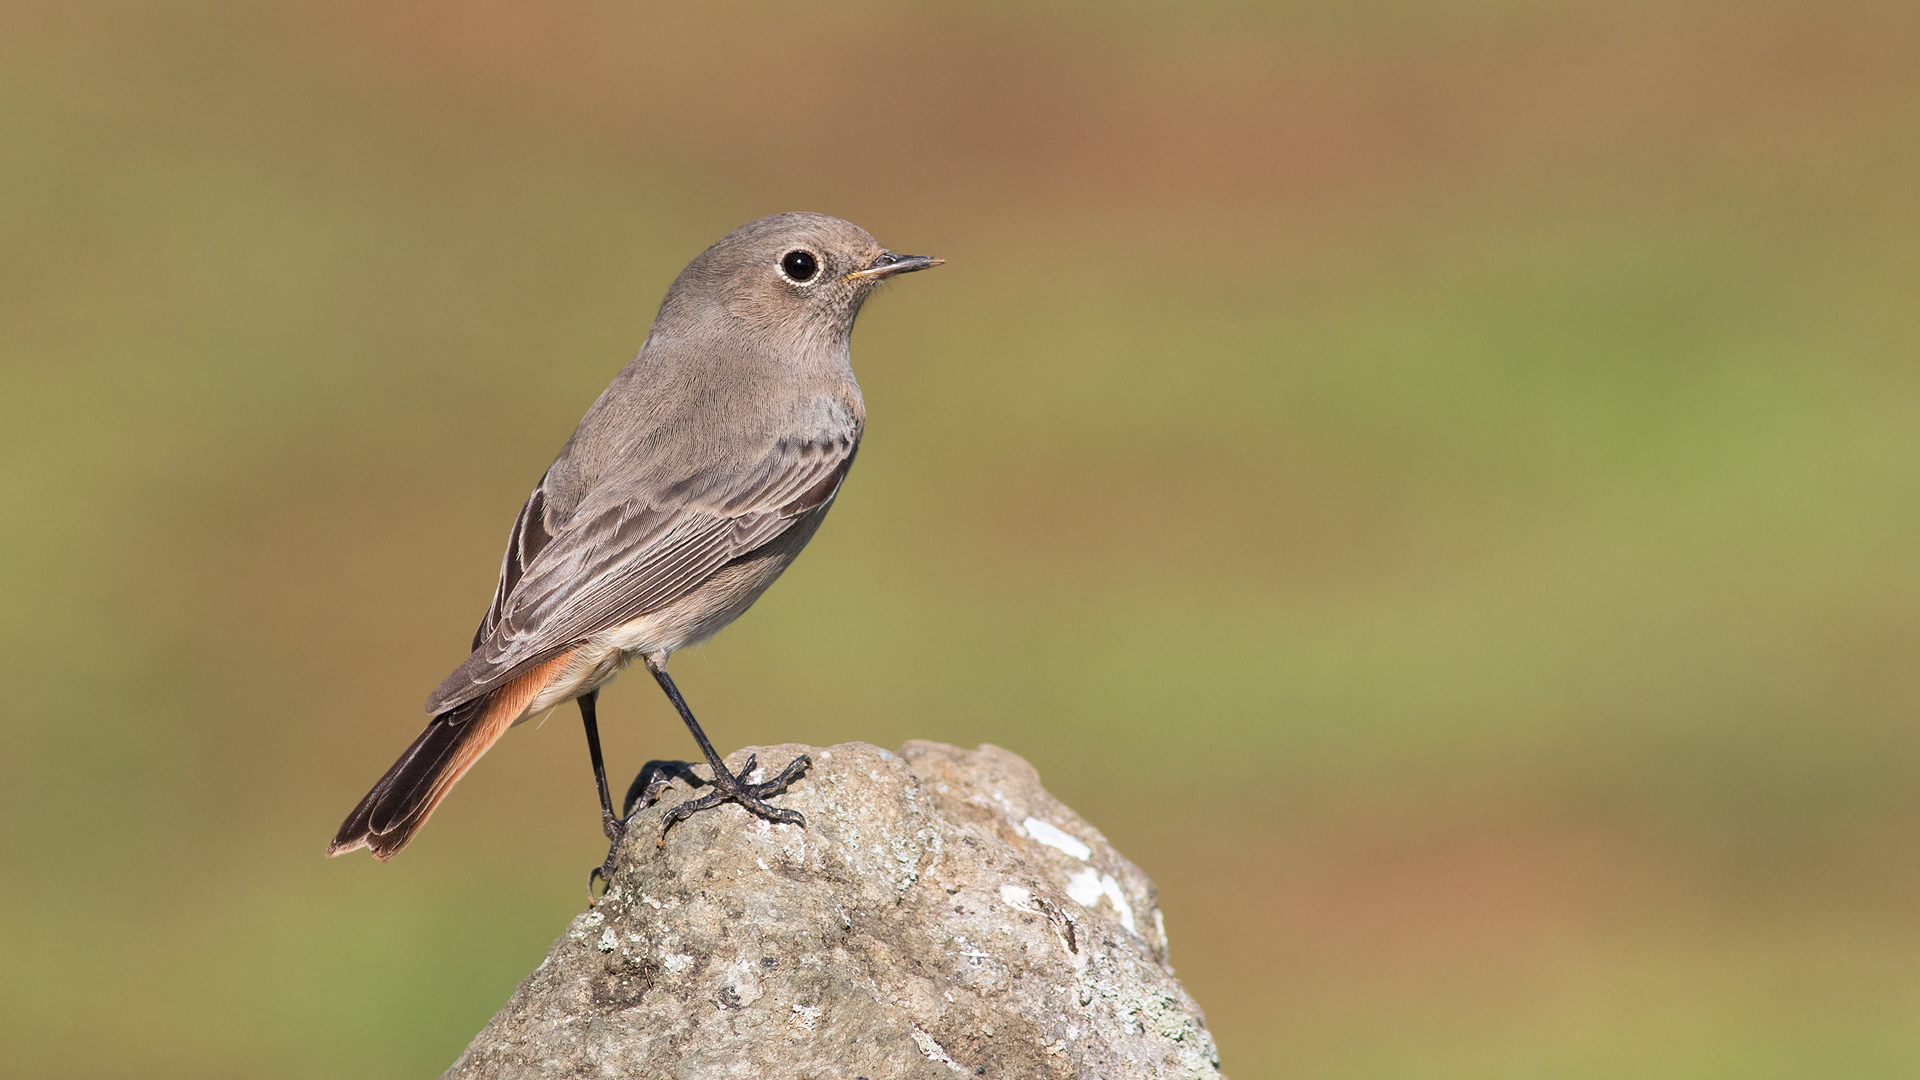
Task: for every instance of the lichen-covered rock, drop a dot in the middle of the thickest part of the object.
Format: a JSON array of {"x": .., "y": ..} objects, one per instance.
[{"x": 941, "y": 915}]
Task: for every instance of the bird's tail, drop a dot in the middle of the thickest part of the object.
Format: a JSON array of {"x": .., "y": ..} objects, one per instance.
[{"x": 404, "y": 798}]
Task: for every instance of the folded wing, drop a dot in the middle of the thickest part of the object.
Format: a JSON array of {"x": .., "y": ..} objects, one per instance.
[{"x": 624, "y": 554}]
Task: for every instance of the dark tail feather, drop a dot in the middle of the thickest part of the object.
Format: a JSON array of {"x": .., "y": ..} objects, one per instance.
[{"x": 404, "y": 798}]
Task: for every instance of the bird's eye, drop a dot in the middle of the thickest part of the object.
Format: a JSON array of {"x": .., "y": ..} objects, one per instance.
[{"x": 799, "y": 265}]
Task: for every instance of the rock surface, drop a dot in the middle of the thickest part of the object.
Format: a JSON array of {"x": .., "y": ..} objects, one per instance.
[{"x": 940, "y": 916}]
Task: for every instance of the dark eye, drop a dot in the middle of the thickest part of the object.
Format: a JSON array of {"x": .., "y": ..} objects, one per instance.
[{"x": 799, "y": 265}]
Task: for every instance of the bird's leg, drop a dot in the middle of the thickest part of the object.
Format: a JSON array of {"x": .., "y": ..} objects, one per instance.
[
  {"x": 615, "y": 827},
  {"x": 728, "y": 787}
]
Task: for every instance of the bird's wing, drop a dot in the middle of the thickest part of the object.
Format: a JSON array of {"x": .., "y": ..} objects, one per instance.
[{"x": 619, "y": 558}]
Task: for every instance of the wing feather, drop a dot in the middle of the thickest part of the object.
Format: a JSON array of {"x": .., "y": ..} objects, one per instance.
[{"x": 619, "y": 558}]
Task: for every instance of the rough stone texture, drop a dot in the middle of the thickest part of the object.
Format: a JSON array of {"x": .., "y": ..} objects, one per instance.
[{"x": 940, "y": 916}]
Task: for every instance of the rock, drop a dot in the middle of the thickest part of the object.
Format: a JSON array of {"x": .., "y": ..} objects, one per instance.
[{"x": 940, "y": 916}]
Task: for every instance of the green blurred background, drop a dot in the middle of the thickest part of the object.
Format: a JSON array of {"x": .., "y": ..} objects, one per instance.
[{"x": 1435, "y": 482}]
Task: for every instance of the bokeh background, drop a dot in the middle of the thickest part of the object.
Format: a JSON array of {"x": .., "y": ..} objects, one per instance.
[{"x": 1436, "y": 482}]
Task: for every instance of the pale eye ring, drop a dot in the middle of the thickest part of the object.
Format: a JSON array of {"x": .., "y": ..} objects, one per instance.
[{"x": 800, "y": 265}]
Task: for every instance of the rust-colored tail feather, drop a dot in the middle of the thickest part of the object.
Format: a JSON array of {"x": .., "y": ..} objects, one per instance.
[{"x": 406, "y": 796}]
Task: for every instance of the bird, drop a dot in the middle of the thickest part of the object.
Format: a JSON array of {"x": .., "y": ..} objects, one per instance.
[{"x": 688, "y": 487}]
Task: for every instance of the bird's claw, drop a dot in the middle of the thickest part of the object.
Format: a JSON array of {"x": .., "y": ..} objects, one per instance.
[
  {"x": 654, "y": 777},
  {"x": 729, "y": 787}
]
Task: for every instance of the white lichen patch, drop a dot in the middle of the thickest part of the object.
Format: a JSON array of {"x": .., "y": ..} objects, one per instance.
[
  {"x": 1088, "y": 886},
  {"x": 676, "y": 962},
  {"x": 1119, "y": 901},
  {"x": 1084, "y": 889},
  {"x": 584, "y": 925},
  {"x": 1055, "y": 837},
  {"x": 1016, "y": 897},
  {"x": 804, "y": 1017}
]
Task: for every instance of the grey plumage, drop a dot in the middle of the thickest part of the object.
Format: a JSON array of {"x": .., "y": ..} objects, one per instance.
[{"x": 690, "y": 484}]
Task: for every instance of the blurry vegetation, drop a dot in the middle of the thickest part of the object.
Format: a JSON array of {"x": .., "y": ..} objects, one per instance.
[{"x": 1437, "y": 483}]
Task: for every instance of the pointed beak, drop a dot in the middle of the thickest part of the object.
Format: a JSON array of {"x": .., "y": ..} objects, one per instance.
[{"x": 890, "y": 264}]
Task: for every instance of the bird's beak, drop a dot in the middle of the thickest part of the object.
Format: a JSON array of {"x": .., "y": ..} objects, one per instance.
[{"x": 890, "y": 264}]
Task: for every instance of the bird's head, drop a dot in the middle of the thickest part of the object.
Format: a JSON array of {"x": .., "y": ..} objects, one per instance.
[{"x": 796, "y": 275}]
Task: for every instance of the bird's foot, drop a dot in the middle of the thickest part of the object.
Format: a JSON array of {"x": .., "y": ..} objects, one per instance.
[
  {"x": 731, "y": 787},
  {"x": 654, "y": 777}
]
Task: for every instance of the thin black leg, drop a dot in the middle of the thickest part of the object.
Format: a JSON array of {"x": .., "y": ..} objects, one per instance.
[
  {"x": 614, "y": 826},
  {"x": 654, "y": 776},
  {"x": 728, "y": 787},
  {"x": 680, "y": 704}
]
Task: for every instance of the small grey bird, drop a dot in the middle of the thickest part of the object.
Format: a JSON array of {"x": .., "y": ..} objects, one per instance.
[{"x": 689, "y": 486}]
